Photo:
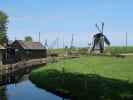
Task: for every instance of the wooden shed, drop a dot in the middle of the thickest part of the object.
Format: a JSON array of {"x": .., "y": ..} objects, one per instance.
[{"x": 21, "y": 50}]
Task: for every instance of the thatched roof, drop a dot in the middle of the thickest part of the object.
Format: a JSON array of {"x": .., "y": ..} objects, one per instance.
[
  {"x": 1, "y": 47},
  {"x": 30, "y": 45}
]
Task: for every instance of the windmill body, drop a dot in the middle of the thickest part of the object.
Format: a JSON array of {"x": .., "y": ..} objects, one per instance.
[{"x": 99, "y": 41}]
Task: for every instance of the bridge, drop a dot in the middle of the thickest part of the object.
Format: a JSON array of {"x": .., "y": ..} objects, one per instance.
[{"x": 12, "y": 72}]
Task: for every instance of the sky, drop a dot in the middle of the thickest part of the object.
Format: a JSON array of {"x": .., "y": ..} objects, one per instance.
[{"x": 59, "y": 19}]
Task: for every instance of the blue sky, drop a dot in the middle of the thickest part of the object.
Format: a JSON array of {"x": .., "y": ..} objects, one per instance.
[{"x": 62, "y": 18}]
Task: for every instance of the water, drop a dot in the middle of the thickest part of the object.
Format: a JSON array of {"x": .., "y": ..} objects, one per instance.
[{"x": 25, "y": 90}]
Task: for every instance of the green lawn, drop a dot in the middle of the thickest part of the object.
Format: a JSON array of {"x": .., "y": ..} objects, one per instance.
[
  {"x": 112, "y": 67},
  {"x": 100, "y": 78}
]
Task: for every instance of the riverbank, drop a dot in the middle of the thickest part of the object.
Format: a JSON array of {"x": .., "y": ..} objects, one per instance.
[
  {"x": 95, "y": 78},
  {"x": 12, "y": 72},
  {"x": 2, "y": 93}
]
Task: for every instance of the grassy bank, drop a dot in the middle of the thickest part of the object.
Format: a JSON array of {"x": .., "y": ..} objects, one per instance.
[
  {"x": 2, "y": 93},
  {"x": 94, "y": 78}
]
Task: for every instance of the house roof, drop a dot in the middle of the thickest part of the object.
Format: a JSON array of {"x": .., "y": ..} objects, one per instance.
[{"x": 30, "y": 45}]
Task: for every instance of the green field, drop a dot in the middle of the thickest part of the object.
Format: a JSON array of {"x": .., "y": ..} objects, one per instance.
[
  {"x": 98, "y": 78},
  {"x": 83, "y": 51},
  {"x": 122, "y": 49}
]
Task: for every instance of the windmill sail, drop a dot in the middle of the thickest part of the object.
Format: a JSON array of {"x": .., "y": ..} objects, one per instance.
[
  {"x": 102, "y": 27},
  {"x": 106, "y": 40}
]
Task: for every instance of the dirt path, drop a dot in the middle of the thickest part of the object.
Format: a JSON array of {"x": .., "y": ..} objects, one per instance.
[{"x": 126, "y": 54}]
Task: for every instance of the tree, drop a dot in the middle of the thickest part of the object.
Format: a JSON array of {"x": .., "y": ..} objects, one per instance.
[
  {"x": 3, "y": 28},
  {"x": 28, "y": 39}
]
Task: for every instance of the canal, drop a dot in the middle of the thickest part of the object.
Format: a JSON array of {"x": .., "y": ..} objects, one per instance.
[{"x": 25, "y": 90}]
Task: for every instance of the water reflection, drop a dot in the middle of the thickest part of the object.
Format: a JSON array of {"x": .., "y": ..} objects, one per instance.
[{"x": 25, "y": 90}]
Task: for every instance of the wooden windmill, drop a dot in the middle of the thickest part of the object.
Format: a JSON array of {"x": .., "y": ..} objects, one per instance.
[
  {"x": 72, "y": 44},
  {"x": 46, "y": 44},
  {"x": 99, "y": 40}
]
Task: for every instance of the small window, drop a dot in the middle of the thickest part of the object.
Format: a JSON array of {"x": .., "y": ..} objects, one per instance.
[
  {"x": 16, "y": 50},
  {"x": 28, "y": 52}
]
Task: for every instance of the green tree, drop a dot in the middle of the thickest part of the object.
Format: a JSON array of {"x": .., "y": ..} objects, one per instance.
[
  {"x": 3, "y": 27},
  {"x": 28, "y": 39}
]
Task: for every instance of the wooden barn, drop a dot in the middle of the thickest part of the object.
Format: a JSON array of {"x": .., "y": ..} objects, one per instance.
[{"x": 21, "y": 50}]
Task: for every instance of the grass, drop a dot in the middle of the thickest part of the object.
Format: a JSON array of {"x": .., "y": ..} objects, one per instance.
[
  {"x": 60, "y": 51},
  {"x": 122, "y": 49},
  {"x": 98, "y": 78},
  {"x": 83, "y": 51}
]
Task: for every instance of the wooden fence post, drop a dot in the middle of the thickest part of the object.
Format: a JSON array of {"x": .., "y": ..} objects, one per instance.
[
  {"x": 63, "y": 71},
  {"x": 63, "y": 77},
  {"x": 85, "y": 84}
]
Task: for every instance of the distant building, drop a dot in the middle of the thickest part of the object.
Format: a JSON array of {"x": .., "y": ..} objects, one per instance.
[{"x": 21, "y": 50}]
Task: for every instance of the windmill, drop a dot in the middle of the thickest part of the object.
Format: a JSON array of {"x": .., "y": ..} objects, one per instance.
[
  {"x": 72, "y": 44},
  {"x": 46, "y": 44},
  {"x": 99, "y": 39}
]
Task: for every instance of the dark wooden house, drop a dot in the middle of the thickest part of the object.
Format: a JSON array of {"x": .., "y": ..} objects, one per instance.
[{"x": 20, "y": 50}]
